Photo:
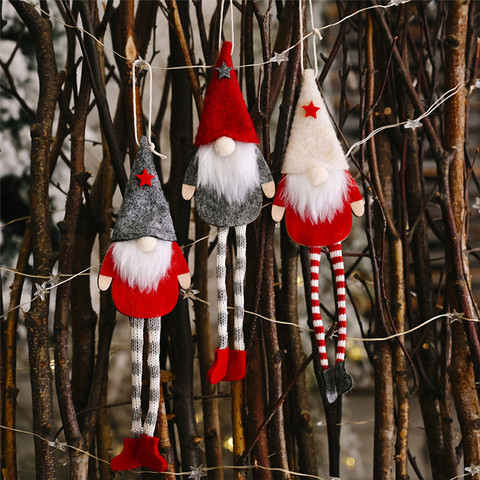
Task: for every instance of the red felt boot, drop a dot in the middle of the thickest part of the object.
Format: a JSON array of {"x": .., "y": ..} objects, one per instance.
[
  {"x": 237, "y": 364},
  {"x": 218, "y": 370},
  {"x": 149, "y": 456},
  {"x": 127, "y": 459}
]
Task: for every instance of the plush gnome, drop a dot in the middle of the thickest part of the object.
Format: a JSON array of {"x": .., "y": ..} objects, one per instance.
[
  {"x": 318, "y": 195},
  {"x": 144, "y": 266},
  {"x": 227, "y": 175}
]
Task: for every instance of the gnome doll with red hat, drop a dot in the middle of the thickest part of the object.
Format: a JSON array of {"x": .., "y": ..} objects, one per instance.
[
  {"x": 227, "y": 175},
  {"x": 317, "y": 194},
  {"x": 144, "y": 266}
]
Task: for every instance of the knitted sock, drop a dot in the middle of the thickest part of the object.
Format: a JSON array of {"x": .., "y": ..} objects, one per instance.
[
  {"x": 136, "y": 325},
  {"x": 222, "y": 288},
  {"x": 240, "y": 268},
  {"x": 153, "y": 361},
  {"x": 315, "y": 254}
]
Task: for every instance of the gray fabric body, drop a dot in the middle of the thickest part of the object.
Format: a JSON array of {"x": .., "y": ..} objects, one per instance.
[
  {"x": 144, "y": 211},
  {"x": 153, "y": 362},
  {"x": 216, "y": 210}
]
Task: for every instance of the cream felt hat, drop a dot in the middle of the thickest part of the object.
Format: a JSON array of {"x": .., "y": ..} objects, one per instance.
[{"x": 313, "y": 146}]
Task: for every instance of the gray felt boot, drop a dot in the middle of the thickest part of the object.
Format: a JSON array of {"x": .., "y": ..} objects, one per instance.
[
  {"x": 343, "y": 380},
  {"x": 330, "y": 391}
]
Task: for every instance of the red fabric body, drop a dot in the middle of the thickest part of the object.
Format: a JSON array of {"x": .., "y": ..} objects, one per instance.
[
  {"x": 324, "y": 233},
  {"x": 156, "y": 303},
  {"x": 224, "y": 113}
]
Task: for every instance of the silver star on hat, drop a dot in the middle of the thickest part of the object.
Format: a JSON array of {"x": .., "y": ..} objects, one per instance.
[{"x": 223, "y": 71}]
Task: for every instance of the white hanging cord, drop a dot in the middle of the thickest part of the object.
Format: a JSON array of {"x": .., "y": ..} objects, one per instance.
[
  {"x": 300, "y": 20},
  {"x": 232, "y": 25},
  {"x": 144, "y": 64},
  {"x": 316, "y": 33},
  {"x": 220, "y": 27}
]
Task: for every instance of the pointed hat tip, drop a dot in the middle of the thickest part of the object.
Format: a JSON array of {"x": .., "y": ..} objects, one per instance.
[
  {"x": 225, "y": 55},
  {"x": 309, "y": 76},
  {"x": 143, "y": 142}
]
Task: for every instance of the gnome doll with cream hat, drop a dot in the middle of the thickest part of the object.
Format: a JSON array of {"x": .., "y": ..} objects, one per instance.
[
  {"x": 227, "y": 175},
  {"x": 144, "y": 266},
  {"x": 317, "y": 194}
]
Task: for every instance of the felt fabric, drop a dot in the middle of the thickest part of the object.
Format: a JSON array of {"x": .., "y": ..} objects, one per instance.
[
  {"x": 216, "y": 210},
  {"x": 312, "y": 140},
  {"x": 144, "y": 211},
  {"x": 156, "y": 303},
  {"x": 218, "y": 370},
  {"x": 127, "y": 459},
  {"x": 224, "y": 112},
  {"x": 322, "y": 233},
  {"x": 148, "y": 454},
  {"x": 237, "y": 366}
]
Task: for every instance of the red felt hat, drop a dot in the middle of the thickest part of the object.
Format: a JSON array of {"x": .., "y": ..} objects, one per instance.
[{"x": 225, "y": 113}]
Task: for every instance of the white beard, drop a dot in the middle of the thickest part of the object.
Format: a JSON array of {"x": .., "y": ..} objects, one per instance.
[
  {"x": 317, "y": 202},
  {"x": 139, "y": 269},
  {"x": 233, "y": 176}
]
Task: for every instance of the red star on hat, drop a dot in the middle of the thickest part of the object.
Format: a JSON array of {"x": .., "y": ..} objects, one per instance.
[
  {"x": 310, "y": 110},
  {"x": 145, "y": 178}
]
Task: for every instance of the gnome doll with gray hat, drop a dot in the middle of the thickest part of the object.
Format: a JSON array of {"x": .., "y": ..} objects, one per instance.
[
  {"x": 318, "y": 195},
  {"x": 227, "y": 175},
  {"x": 144, "y": 266}
]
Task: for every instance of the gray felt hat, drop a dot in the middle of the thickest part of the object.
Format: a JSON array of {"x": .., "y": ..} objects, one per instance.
[{"x": 144, "y": 211}]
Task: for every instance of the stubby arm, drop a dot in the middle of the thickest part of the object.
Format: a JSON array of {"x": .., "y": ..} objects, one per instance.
[
  {"x": 358, "y": 208},
  {"x": 269, "y": 189},
  {"x": 104, "y": 282},
  {"x": 277, "y": 212},
  {"x": 188, "y": 191},
  {"x": 184, "y": 280}
]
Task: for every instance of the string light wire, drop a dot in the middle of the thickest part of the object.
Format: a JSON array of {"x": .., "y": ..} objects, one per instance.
[
  {"x": 197, "y": 472},
  {"x": 393, "y": 3}
]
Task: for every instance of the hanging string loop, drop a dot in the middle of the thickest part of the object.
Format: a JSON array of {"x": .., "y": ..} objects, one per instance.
[
  {"x": 144, "y": 64},
  {"x": 232, "y": 26},
  {"x": 316, "y": 33}
]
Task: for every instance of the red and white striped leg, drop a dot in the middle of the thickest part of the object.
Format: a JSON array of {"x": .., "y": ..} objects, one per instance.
[
  {"x": 329, "y": 392},
  {"x": 315, "y": 254},
  {"x": 343, "y": 380}
]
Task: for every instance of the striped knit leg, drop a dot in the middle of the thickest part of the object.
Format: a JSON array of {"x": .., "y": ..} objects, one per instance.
[
  {"x": 218, "y": 370},
  {"x": 329, "y": 392},
  {"x": 136, "y": 325},
  {"x": 153, "y": 361},
  {"x": 343, "y": 380},
  {"x": 240, "y": 268},
  {"x": 222, "y": 288},
  {"x": 315, "y": 254}
]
